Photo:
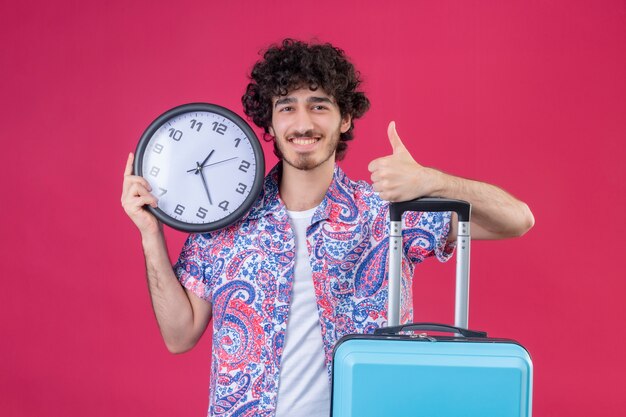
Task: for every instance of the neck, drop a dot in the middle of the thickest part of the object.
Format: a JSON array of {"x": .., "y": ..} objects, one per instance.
[{"x": 303, "y": 190}]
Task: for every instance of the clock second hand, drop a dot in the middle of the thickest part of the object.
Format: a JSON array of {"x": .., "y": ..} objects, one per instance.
[{"x": 208, "y": 165}]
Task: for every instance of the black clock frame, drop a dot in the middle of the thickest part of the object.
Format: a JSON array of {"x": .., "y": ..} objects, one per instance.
[{"x": 259, "y": 174}]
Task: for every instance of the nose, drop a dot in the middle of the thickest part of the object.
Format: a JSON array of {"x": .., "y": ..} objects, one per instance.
[{"x": 303, "y": 122}]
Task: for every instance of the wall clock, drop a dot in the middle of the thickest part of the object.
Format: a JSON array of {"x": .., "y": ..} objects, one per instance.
[{"x": 204, "y": 164}]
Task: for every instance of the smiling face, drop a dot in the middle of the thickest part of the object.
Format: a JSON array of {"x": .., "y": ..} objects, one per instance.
[{"x": 306, "y": 125}]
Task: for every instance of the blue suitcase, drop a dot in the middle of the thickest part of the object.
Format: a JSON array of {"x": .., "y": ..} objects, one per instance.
[{"x": 403, "y": 370}]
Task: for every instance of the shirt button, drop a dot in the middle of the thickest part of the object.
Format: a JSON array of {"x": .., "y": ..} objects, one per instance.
[{"x": 277, "y": 328}]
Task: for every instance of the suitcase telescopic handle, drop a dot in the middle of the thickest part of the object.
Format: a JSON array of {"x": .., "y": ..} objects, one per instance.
[
  {"x": 463, "y": 209},
  {"x": 429, "y": 327}
]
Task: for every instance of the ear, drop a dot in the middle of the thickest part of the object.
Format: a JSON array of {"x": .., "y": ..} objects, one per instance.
[
  {"x": 346, "y": 123},
  {"x": 271, "y": 131}
]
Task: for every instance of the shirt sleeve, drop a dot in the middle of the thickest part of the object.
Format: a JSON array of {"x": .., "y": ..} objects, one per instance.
[
  {"x": 425, "y": 234},
  {"x": 195, "y": 266}
]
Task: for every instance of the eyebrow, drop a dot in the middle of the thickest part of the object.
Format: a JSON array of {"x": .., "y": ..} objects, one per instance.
[{"x": 312, "y": 99}]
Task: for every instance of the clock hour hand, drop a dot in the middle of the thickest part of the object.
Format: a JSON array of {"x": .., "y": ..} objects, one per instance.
[
  {"x": 206, "y": 159},
  {"x": 199, "y": 166},
  {"x": 206, "y": 187}
]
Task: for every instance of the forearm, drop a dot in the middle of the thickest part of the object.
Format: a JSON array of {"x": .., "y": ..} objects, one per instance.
[
  {"x": 171, "y": 305},
  {"x": 182, "y": 318},
  {"x": 495, "y": 213}
]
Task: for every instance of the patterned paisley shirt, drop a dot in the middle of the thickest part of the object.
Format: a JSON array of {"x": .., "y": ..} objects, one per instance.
[{"x": 246, "y": 272}]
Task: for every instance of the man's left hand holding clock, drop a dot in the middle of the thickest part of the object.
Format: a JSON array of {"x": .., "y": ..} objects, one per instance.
[{"x": 205, "y": 132}]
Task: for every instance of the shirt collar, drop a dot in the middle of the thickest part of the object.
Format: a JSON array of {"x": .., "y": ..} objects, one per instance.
[{"x": 337, "y": 206}]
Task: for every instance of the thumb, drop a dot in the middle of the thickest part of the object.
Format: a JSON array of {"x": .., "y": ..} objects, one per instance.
[
  {"x": 129, "y": 165},
  {"x": 394, "y": 139}
]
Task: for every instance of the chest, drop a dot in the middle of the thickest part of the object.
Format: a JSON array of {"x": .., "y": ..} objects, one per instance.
[{"x": 259, "y": 265}]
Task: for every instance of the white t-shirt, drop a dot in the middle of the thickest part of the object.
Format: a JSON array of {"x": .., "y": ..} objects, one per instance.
[{"x": 304, "y": 388}]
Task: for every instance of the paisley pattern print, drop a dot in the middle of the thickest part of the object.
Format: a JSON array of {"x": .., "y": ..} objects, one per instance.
[{"x": 246, "y": 272}]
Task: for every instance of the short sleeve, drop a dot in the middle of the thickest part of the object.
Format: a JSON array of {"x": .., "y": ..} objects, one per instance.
[
  {"x": 425, "y": 234},
  {"x": 194, "y": 268}
]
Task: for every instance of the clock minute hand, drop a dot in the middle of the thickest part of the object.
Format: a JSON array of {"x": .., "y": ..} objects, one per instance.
[
  {"x": 206, "y": 187},
  {"x": 214, "y": 163}
]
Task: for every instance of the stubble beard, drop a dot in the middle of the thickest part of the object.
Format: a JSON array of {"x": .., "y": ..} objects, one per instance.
[{"x": 306, "y": 162}]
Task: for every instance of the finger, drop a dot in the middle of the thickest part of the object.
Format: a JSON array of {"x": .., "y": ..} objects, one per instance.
[
  {"x": 129, "y": 165},
  {"x": 394, "y": 139},
  {"x": 384, "y": 195},
  {"x": 147, "y": 200},
  {"x": 137, "y": 189},
  {"x": 377, "y": 163},
  {"x": 135, "y": 202},
  {"x": 131, "y": 180},
  {"x": 135, "y": 179}
]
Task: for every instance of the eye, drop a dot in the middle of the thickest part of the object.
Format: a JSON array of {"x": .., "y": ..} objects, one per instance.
[
  {"x": 319, "y": 107},
  {"x": 285, "y": 109}
]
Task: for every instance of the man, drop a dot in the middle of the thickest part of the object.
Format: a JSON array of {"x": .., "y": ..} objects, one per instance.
[{"x": 308, "y": 263}]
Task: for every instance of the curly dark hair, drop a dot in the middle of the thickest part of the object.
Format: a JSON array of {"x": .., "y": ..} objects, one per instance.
[{"x": 294, "y": 64}]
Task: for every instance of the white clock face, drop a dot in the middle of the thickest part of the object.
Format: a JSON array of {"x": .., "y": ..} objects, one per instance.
[{"x": 201, "y": 166}]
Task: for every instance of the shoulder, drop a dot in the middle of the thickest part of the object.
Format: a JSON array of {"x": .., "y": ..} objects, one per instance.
[
  {"x": 210, "y": 243},
  {"x": 268, "y": 201},
  {"x": 353, "y": 202},
  {"x": 358, "y": 190}
]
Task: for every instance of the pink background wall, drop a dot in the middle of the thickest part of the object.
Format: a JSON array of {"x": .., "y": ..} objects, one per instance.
[{"x": 529, "y": 95}]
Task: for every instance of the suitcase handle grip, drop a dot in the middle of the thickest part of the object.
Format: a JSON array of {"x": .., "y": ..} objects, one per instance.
[
  {"x": 462, "y": 208},
  {"x": 433, "y": 327}
]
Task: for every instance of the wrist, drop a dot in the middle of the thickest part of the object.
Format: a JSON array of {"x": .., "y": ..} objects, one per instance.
[
  {"x": 153, "y": 238},
  {"x": 437, "y": 183}
]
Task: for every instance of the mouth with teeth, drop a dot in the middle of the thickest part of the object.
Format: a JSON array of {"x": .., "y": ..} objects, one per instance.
[
  {"x": 304, "y": 141},
  {"x": 305, "y": 150}
]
